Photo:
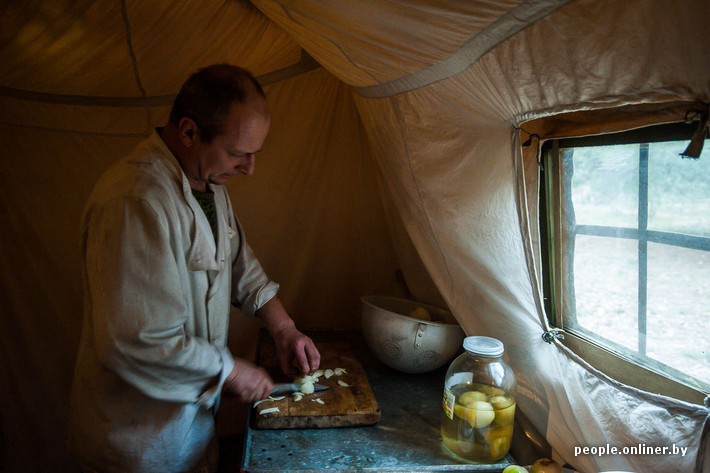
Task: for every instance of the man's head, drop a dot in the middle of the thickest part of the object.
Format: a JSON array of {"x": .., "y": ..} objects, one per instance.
[
  {"x": 208, "y": 95},
  {"x": 219, "y": 120}
]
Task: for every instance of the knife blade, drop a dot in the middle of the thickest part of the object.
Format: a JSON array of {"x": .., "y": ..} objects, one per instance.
[{"x": 288, "y": 388}]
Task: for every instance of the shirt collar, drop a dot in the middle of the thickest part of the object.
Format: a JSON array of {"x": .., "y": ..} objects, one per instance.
[{"x": 171, "y": 161}]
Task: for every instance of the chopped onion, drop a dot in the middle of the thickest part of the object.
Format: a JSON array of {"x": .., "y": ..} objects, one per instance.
[
  {"x": 268, "y": 399},
  {"x": 307, "y": 388},
  {"x": 305, "y": 379}
]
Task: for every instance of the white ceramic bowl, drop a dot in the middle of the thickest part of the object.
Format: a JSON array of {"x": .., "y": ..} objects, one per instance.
[{"x": 405, "y": 343}]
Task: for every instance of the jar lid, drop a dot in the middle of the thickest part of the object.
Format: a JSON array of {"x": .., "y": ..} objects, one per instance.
[{"x": 486, "y": 346}]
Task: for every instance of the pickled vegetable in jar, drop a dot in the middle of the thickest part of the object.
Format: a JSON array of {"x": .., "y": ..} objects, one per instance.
[{"x": 479, "y": 402}]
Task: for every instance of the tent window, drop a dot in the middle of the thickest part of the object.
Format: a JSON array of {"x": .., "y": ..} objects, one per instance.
[{"x": 627, "y": 259}]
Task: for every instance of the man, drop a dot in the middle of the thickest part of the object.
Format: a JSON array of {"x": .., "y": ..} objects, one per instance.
[{"x": 164, "y": 256}]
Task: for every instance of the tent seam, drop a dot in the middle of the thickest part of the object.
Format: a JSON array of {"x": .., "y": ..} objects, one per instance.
[
  {"x": 134, "y": 60},
  {"x": 68, "y": 130},
  {"x": 86, "y": 100},
  {"x": 504, "y": 27},
  {"x": 306, "y": 64},
  {"x": 345, "y": 55},
  {"x": 524, "y": 224},
  {"x": 603, "y": 103},
  {"x": 419, "y": 193}
]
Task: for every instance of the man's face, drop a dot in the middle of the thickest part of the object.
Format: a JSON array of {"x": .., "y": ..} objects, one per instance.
[{"x": 232, "y": 152}]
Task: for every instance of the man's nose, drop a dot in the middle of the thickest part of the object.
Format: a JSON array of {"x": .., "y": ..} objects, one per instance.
[{"x": 246, "y": 167}]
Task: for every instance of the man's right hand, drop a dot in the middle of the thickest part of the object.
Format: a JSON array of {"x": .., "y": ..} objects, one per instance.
[{"x": 248, "y": 382}]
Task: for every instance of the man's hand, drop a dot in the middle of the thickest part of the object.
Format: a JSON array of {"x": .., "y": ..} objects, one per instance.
[
  {"x": 297, "y": 353},
  {"x": 248, "y": 382}
]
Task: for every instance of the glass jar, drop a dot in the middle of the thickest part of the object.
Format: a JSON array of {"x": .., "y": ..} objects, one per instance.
[{"x": 479, "y": 402}]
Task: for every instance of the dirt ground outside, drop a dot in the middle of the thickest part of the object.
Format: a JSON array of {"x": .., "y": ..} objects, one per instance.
[
  {"x": 606, "y": 190},
  {"x": 678, "y": 299}
]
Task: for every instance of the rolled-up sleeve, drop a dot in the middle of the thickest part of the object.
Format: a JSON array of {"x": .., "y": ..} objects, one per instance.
[
  {"x": 139, "y": 312},
  {"x": 251, "y": 287}
]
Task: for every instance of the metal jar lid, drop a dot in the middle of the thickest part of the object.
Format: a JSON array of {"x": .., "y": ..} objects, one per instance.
[{"x": 483, "y": 346}]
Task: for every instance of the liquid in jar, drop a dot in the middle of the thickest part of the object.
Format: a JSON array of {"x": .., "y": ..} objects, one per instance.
[{"x": 477, "y": 421}]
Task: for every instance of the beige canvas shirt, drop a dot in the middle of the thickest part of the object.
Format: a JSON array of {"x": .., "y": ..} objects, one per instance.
[{"x": 158, "y": 288}]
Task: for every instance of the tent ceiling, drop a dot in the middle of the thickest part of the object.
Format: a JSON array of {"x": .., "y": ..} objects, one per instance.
[
  {"x": 132, "y": 48},
  {"x": 393, "y": 46},
  {"x": 387, "y": 39}
]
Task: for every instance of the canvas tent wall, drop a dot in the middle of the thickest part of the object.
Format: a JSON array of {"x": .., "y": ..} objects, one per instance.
[{"x": 397, "y": 147}]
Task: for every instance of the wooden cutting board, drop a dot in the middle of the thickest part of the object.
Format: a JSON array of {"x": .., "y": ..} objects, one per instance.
[{"x": 343, "y": 406}]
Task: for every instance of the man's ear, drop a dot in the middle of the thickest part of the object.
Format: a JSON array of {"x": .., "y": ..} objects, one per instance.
[{"x": 187, "y": 129}]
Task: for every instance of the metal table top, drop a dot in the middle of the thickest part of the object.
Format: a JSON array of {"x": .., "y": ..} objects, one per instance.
[{"x": 407, "y": 438}]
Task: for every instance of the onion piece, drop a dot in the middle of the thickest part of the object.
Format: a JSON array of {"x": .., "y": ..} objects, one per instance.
[
  {"x": 307, "y": 388},
  {"x": 305, "y": 379},
  {"x": 268, "y": 399}
]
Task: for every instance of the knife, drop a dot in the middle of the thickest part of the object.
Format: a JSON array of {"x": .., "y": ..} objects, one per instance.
[{"x": 288, "y": 388}]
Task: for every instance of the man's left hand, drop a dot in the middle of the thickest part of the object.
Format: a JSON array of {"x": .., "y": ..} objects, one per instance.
[{"x": 297, "y": 352}]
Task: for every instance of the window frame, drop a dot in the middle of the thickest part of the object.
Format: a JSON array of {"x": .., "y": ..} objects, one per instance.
[{"x": 618, "y": 362}]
